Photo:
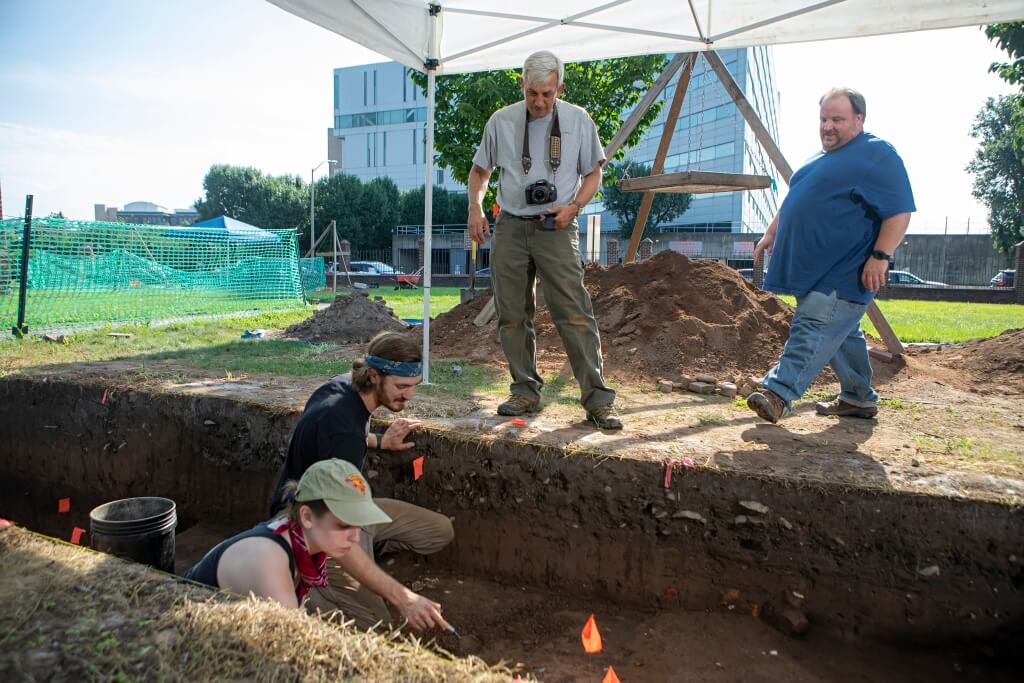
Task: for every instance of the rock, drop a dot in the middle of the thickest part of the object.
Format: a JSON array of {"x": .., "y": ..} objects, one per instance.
[
  {"x": 701, "y": 388},
  {"x": 680, "y": 386},
  {"x": 785, "y": 522},
  {"x": 729, "y": 379},
  {"x": 929, "y": 571},
  {"x": 785, "y": 614},
  {"x": 457, "y": 370},
  {"x": 55, "y": 338},
  {"x": 709, "y": 379},
  {"x": 209, "y": 423},
  {"x": 665, "y": 386},
  {"x": 746, "y": 390},
  {"x": 167, "y": 638},
  {"x": 627, "y": 330},
  {"x": 690, "y": 514},
  {"x": 727, "y": 389},
  {"x": 634, "y": 315},
  {"x": 633, "y": 350},
  {"x": 755, "y": 381},
  {"x": 754, "y": 506},
  {"x": 618, "y": 341},
  {"x": 914, "y": 462}
]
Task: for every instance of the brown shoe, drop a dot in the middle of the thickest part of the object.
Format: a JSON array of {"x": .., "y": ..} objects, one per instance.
[
  {"x": 768, "y": 405},
  {"x": 604, "y": 417},
  {"x": 517, "y": 404},
  {"x": 843, "y": 409}
]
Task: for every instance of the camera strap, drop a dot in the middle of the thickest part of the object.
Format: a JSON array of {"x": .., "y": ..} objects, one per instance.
[{"x": 554, "y": 141}]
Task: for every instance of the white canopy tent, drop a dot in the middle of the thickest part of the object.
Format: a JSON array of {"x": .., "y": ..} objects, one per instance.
[{"x": 460, "y": 36}]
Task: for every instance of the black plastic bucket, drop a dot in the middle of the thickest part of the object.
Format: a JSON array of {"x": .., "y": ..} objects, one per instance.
[{"x": 140, "y": 529}]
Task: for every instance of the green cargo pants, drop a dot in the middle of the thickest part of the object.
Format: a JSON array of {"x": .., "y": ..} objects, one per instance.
[{"x": 520, "y": 251}]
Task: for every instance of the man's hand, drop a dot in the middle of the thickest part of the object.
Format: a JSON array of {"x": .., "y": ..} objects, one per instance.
[
  {"x": 479, "y": 226},
  {"x": 764, "y": 245},
  {"x": 420, "y": 612},
  {"x": 394, "y": 437},
  {"x": 874, "y": 274},
  {"x": 564, "y": 215}
]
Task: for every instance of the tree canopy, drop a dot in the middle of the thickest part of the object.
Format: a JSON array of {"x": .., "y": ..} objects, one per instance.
[
  {"x": 626, "y": 205},
  {"x": 246, "y": 194},
  {"x": 605, "y": 88},
  {"x": 998, "y": 164}
]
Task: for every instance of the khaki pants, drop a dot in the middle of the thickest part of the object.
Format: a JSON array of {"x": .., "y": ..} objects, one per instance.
[
  {"x": 411, "y": 528},
  {"x": 520, "y": 251}
]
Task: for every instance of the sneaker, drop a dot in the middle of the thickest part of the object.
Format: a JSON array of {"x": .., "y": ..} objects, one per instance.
[
  {"x": 768, "y": 405},
  {"x": 517, "y": 404},
  {"x": 841, "y": 408},
  {"x": 604, "y": 417}
]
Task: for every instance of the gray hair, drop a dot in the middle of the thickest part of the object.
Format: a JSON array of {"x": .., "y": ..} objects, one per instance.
[
  {"x": 540, "y": 65},
  {"x": 856, "y": 99}
]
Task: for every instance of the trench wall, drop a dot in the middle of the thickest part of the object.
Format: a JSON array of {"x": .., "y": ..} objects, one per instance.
[{"x": 527, "y": 515}]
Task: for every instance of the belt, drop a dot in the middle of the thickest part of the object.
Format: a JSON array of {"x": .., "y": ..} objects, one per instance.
[{"x": 535, "y": 217}]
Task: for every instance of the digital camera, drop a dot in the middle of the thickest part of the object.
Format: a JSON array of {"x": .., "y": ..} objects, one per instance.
[{"x": 540, "y": 192}]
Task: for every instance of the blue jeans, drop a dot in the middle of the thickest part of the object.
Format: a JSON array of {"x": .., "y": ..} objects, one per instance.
[{"x": 825, "y": 330}]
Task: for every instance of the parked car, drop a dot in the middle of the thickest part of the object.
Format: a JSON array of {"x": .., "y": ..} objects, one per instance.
[
  {"x": 905, "y": 278},
  {"x": 746, "y": 273},
  {"x": 1004, "y": 278},
  {"x": 484, "y": 272},
  {"x": 366, "y": 268}
]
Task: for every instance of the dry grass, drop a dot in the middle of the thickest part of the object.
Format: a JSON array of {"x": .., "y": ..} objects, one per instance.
[{"x": 71, "y": 614}]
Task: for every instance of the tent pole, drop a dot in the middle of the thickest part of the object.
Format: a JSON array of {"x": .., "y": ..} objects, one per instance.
[
  {"x": 638, "y": 112},
  {"x": 659, "y": 159},
  {"x": 428, "y": 227}
]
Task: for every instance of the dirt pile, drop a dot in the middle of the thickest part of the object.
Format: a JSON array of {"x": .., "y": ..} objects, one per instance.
[
  {"x": 351, "y": 318},
  {"x": 991, "y": 361},
  {"x": 665, "y": 316}
]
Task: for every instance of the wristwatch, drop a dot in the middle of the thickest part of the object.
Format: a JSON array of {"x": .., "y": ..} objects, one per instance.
[{"x": 881, "y": 255}]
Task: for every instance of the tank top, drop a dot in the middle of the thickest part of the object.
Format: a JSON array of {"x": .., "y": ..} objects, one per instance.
[{"x": 205, "y": 571}]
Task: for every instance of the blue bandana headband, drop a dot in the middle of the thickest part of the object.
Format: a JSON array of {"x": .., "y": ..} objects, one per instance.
[{"x": 394, "y": 367}]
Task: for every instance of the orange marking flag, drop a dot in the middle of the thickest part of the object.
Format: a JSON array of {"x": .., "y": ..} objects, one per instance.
[
  {"x": 610, "y": 677},
  {"x": 518, "y": 422},
  {"x": 64, "y": 505},
  {"x": 76, "y": 535},
  {"x": 591, "y": 637},
  {"x": 417, "y": 468}
]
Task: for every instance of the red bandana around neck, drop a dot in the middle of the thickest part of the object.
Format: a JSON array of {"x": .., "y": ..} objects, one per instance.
[{"x": 312, "y": 568}]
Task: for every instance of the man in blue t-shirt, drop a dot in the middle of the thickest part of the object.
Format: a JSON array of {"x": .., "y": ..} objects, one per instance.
[{"x": 831, "y": 243}]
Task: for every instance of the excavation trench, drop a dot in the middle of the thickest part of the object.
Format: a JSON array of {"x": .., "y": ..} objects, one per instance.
[{"x": 549, "y": 535}]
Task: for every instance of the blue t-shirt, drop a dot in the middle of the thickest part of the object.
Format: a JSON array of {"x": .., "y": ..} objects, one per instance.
[{"x": 831, "y": 218}]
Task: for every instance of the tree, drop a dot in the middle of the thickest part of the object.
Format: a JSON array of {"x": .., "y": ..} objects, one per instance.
[
  {"x": 605, "y": 88},
  {"x": 998, "y": 168},
  {"x": 366, "y": 213},
  {"x": 998, "y": 164},
  {"x": 448, "y": 207},
  {"x": 244, "y": 193},
  {"x": 1009, "y": 37},
  {"x": 626, "y": 205}
]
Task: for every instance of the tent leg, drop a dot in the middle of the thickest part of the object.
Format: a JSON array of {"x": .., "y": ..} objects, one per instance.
[
  {"x": 428, "y": 227},
  {"x": 659, "y": 159},
  {"x": 641, "y": 109},
  {"x": 892, "y": 342}
]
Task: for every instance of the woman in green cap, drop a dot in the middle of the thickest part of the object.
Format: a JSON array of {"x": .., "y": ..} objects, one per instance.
[{"x": 286, "y": 556}]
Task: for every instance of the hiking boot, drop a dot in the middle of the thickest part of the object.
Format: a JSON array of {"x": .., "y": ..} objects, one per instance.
[
  {"x": 768, "y": 405},
  {"x": 604, "y": 417},
  {"x": 517, "y": 404},
  {"x": 841, "y": 408}
]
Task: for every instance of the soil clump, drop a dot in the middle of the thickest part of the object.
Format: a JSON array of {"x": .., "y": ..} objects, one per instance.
[
  {"x": 350, "y": 318},
  {"x": 663, "y": 317}
]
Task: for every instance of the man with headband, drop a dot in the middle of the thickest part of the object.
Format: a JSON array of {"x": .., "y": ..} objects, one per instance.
[{"x": 336, "y": 424}]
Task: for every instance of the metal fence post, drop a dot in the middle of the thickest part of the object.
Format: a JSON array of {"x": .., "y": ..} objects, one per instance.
[
  {"x": 1018, "y": 277},
  {"x": 20, "y": 329}
]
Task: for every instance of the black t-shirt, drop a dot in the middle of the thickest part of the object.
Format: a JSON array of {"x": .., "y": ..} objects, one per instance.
[{"x": 334, "y": 424}]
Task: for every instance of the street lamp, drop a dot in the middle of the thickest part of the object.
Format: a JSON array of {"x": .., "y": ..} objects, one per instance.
[{"x": 312, "y": 204}]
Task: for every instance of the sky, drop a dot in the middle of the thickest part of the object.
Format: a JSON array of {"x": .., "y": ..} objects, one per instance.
[{"x": 114, "y": 101}]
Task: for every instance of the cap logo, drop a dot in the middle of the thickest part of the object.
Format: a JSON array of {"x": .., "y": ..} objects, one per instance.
[{"x": 357, "y": 483}]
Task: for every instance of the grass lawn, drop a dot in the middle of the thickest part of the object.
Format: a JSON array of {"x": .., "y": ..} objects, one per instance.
[{"x": 943, "y": 321}]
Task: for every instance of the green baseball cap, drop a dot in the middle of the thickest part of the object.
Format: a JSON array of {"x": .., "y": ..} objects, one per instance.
[{"x": 342, "y": 487}]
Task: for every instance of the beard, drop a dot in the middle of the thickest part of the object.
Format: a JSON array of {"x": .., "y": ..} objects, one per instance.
[{"x": 394, "y": 405}]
